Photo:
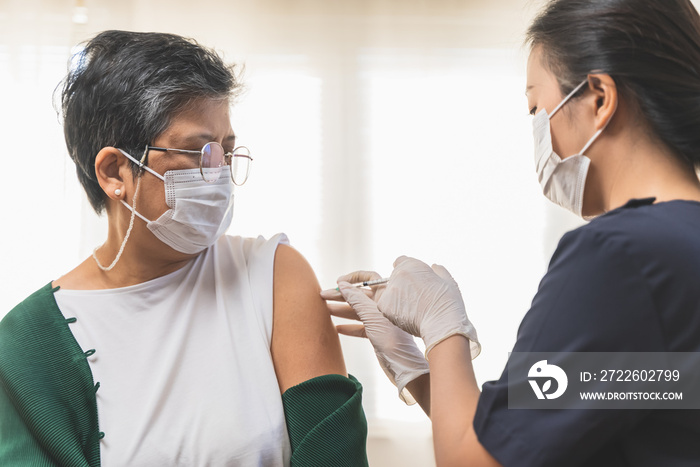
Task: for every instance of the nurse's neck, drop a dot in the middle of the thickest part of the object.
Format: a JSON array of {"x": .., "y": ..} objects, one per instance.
[{"x": 626, "y": 163}]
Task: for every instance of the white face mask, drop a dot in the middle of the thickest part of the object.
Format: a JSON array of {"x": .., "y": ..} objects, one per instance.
[
  {"x": 562, "y": 180},
  {"x": 199, "y": 213}
]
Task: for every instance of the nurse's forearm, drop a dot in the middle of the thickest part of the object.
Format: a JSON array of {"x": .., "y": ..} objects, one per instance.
[
  {"x": 454, "y": 396},
  {"x": 420, "y": 390}
]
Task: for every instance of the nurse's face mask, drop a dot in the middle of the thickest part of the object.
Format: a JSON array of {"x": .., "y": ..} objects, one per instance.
[{"x": 562, "y": 180}]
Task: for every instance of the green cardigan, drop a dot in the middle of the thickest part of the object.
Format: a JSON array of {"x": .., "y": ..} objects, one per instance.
[{"x": 48, "y": 408}]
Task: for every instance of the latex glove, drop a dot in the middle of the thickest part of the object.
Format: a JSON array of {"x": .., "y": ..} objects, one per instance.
[
  {"x": 425, "y": 301},
  {"x": 395, "y": 349}
]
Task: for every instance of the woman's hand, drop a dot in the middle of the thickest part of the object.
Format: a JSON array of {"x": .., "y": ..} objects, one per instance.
[
  {"x": 425, "y": 301},
  {"x": 396, "y": 350}
]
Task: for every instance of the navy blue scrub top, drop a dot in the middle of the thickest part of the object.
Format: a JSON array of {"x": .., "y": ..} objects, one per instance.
[{"x": 629, "y": 281}]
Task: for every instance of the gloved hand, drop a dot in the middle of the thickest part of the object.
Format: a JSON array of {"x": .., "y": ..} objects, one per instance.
[
  {"x": 395, "y": 349},
  {"x": 426, "y": 302}
]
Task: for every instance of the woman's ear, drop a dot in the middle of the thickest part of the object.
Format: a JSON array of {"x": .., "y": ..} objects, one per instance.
[
  {"x": 606, "y": 98},
  {"x": 110, "y": 165}
]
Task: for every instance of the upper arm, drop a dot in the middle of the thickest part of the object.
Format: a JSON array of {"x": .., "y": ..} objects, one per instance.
[{"x": 305, "y": 343}]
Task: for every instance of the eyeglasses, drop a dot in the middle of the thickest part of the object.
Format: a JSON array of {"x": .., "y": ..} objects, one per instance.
[{"x": 212, "y": 158}]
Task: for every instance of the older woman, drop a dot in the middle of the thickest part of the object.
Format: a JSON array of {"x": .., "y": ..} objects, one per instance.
[{"x": 173, "y": 344}]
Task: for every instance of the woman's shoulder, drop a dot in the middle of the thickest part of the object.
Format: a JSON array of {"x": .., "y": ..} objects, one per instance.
[
  {"x": 643, "y": 229},
  {"x": 28, "y": 311},
  {"x": 252, "y": 249},
  {"x": 631, "y": 272},
  {"x": 33, "y": 328}
]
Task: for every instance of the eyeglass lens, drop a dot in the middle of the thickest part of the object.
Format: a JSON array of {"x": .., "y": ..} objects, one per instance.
[
  {"x": 240, "y": 165},
  {"x": 213, "y": 159}
]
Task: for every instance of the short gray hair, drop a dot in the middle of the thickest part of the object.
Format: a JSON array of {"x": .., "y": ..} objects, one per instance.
[{"x": 124, "y": 88}]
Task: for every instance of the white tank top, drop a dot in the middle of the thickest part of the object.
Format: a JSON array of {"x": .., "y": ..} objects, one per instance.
[{"x": 184, "y": 364}]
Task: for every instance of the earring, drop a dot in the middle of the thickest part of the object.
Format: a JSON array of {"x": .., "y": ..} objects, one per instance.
[{"x": 117, "y": 192}]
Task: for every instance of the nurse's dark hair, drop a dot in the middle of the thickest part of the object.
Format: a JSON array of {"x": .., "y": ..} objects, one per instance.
[
  {"x": 651, "y": 49},
  {"x": 123, "y": 89}
]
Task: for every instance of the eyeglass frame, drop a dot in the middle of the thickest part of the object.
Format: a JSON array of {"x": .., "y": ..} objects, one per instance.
[{"x": 230, "y": 155}]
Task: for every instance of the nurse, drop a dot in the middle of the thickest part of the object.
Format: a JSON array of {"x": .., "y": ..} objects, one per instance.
[{"x": 614, "y": 90}]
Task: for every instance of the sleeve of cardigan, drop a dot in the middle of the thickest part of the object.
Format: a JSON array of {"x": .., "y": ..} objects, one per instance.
[
  {"x": 326, "y": 423},
  {"x": 17, "y": 445}
]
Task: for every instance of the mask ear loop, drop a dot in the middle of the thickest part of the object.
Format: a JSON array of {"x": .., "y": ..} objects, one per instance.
[
  {"x": 597, "y": 133},
  {"x": 131, "y": 223}
]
